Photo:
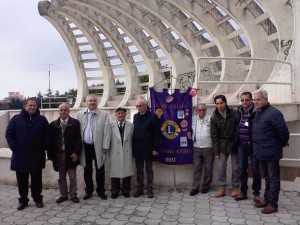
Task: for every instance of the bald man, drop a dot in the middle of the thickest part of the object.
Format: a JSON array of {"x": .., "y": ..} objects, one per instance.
[{"x": 65, "y": 147}]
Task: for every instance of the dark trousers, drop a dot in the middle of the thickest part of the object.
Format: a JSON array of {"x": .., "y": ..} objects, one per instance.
[
  {"x": 272, "y": 178},
  {"x": 203, "y": 158},
  {"x": 244, "y": 153},
  {"x": 116, "y": 185},
  {"x": 90, "y": 156},
  {"x": 140, "y": 173},
  {"x": 36, "y": 185}
]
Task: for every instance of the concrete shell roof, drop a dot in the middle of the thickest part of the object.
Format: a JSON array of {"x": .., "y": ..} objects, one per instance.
[{"x": 122, "y": 47}]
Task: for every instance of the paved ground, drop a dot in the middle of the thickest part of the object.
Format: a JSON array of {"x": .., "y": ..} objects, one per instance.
[{"x": 166, "y": 208}]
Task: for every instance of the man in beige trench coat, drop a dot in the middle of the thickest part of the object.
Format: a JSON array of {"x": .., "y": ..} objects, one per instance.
[
  {"x": 121, "y": 158},
  {"x": 95, "y": 132}
]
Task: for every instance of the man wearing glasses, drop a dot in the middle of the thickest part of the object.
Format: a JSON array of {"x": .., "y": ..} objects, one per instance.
[
  {"x": 245, "y": 117},
  {"x": 203, "y": 156},
  {"x": 146, "y": 138}
]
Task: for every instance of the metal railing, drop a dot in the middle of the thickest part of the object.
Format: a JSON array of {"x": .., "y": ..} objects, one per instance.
[
  {"x": 246, "y": 82},
  {"x": 70, "y": 100}
]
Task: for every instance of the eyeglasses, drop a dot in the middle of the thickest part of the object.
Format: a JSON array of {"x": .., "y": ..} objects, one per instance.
[
  {"x": 201, "y": 110},
  {"x": 138, "y": 106},
  {"x": 245, "y": 100}
]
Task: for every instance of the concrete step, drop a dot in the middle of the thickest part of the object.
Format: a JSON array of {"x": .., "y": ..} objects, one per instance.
[
  {"x": 117, "y": 98},
  {"x": 112, "y": 103},
  {"x": 131, "y": 102}
]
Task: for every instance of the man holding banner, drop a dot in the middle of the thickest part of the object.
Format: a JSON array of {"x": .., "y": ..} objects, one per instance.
[{"x": 146, "y": 138}]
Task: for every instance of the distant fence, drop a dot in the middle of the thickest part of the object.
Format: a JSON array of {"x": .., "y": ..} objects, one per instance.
[{"x": 54, "y": 102}]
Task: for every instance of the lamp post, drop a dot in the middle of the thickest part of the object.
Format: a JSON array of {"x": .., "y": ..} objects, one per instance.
[{"x": 49, "y": 90}]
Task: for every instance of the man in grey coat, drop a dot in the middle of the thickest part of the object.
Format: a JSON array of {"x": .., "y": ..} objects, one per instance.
[
  {"x": 95, "y": 132},
  {"x": 121, "y": 157}
]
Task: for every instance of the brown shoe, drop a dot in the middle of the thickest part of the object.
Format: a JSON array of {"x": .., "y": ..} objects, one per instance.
[
  {"x": 261, "y": 204},
  {"x": 269, "y": 210},
  {"x": 220, "y": 193},
  {"x": 256, "y": 198},
  {"x": 61, "y": 199},
  {"x": 75, "y": 199},
  {"x": 234, "y": 192},
  {"x": 241, "y": 197}
]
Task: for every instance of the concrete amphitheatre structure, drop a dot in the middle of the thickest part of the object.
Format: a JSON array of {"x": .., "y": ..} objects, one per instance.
[{"x": 120, "y": 48}]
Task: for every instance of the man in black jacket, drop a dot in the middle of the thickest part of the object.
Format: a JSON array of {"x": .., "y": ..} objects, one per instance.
[
  {"x": 65, "y": 146},
  {"x": 146, "y": 137},
  {"x": 223, "y": 135},
  {"x": 26, "y": 136},
  {"x": 270, "y": 134},
  {"x": 245, "y": 117}
]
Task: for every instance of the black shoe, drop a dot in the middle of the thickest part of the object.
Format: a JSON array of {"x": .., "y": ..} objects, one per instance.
[
  {"x": 204, "y": 191},
  {"x": 126, "y": 195},
  {"x": 61, "y": 199},
  {"x": 138, "y": 194},
  {"x": 194, "y": 192},
  {"x": 114, "y": 196},
  {"x": 86, "y": 196},
  {"x": 22, "y": 206},
  {"x": 39, "y": 204},
  {"x": 102, "y": 196},
  {"x": 150, "y": 194}
]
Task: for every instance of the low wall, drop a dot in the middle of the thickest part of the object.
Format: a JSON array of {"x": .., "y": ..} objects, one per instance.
[
  {"x": 4, "y": 118},
  {"x": 163, "y": 174}
]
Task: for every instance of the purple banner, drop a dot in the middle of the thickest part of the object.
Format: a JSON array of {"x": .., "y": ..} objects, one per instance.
[{"x": 175, "y": 115}]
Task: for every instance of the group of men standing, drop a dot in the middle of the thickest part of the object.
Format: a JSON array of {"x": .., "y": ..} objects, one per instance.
[
  {"x": 256, "y": 130},
  {"x": 89, "y": 139}
]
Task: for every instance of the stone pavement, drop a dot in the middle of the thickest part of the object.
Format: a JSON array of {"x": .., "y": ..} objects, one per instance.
[{"x": 166, "y": 208}]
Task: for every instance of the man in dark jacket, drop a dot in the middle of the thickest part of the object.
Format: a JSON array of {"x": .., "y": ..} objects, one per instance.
[
  {"x": 146, "y": 138},
  {"x": 245, "y": 117},
  {"x": 270, "y": 134},
  {"x": 26, "y": 136},
  {"x": 65, "y": 146},
  {"x": 223, "y": 135}
]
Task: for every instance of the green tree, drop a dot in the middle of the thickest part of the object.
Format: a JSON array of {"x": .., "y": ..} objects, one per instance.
[{"x": 15, "y": 103}]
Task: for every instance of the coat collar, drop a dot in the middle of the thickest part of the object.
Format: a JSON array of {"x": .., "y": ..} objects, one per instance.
[
  {"x": 115, "y": 129},
  {"x": 71, "y": 122},
  {"x": 96, "y": 111}
]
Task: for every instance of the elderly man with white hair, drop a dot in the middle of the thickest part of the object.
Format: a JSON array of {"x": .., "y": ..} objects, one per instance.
[{"x": 270, "y": 134}]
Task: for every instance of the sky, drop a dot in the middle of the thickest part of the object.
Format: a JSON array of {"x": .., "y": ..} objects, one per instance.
[{"x": 28, "y": 42}]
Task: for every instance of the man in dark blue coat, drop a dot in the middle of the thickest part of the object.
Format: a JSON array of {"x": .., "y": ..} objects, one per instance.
[
  {"x": 146, "y": 138},
  {"x": 270, "y": 134},
  {"x": 26, "y": 136}
]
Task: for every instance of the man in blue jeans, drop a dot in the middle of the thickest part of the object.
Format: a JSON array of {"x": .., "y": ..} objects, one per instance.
[
  {"x": 270, "y": 134},
  {"x": 245, "y": 116}
]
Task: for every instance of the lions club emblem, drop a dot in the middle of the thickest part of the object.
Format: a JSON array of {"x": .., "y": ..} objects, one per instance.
[{"x": 170, "y": 129}]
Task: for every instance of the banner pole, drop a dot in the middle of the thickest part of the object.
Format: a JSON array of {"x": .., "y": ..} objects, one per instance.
[
  {"x": 174, "y": 180},
  {"x": 174, "y": 190}
]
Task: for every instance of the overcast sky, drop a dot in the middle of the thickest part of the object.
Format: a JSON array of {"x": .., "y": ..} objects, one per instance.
[{"x": 28, "y": 42}]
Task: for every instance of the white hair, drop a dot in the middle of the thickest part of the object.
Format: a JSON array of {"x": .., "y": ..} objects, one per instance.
[
  {"x": 91, "y": 95},
  {"x": 144, "y": 101},
  {"x": 264, "y": 93}
]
